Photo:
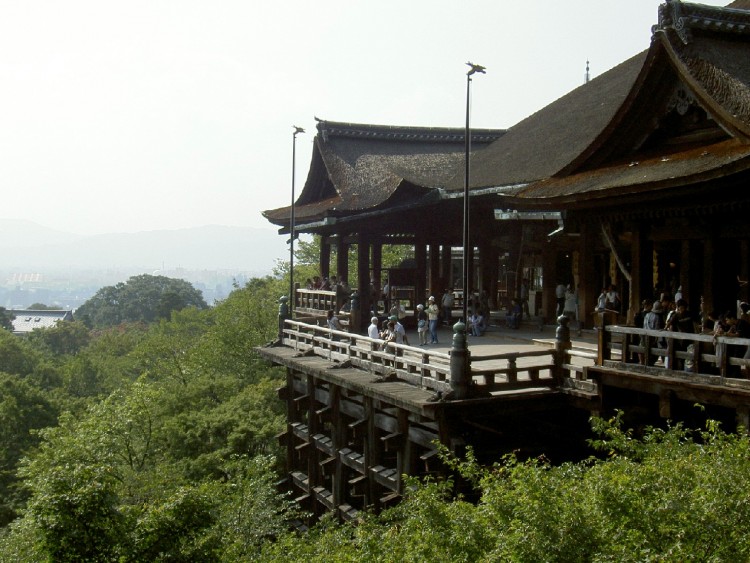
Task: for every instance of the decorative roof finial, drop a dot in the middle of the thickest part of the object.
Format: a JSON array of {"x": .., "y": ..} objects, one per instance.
[{"x": 587, "y": 76}]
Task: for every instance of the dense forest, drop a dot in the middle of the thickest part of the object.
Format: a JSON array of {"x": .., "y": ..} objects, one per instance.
[{"x": 151, "y": 437}]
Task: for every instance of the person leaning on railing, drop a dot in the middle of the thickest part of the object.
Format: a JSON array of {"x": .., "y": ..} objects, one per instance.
[{"x": 680, "y": 320}]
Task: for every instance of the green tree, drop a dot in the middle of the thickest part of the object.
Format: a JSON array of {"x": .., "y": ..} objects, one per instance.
[
  {"x": 16, "y": 355},
  {"x": 142, "y": 298},
  {"x": 41, "y": 307},
  {"x": 22, "y": 410},
  {"x": 6, "y": 319},
  {"x": 65, "y": 338}
]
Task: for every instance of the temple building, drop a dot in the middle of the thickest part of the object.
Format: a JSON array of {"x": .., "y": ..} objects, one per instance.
[{"x": 637, "y": 178}]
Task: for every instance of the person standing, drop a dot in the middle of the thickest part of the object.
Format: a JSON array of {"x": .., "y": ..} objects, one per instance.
[
  {"x": 524, "y": 298},
  {"x": 570, "y": 309},
  {"x": 447, "y": 305},
  {"x": 433, "y": 314},
  {"x": 560, "y": 295},
  {"x": 372, "y": 330},
  {"x": 399, "y": 330},
  {"x": 423, "y": 322}
]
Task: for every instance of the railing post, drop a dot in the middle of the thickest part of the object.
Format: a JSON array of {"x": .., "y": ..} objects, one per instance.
[
  {"x": 355, "y": 315},
  {"x": 460, "y": 363},
  {"x": 562, "y": 345},
  {"x": 604, "y": 338},
  {"x": 283, "y": 315}
]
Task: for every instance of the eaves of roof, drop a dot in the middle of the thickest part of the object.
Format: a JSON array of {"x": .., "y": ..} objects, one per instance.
[
  {"x": 547, "y": 141},
  {"x": 710, "y": 48},
  {"x": 688, "y": 167}
]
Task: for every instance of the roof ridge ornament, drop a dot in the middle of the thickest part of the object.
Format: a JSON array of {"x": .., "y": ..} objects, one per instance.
[{"x": 683, "y": 18}]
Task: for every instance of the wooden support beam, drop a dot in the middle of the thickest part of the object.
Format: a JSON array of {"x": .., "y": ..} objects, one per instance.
[
  {"x": 393, "y": 441},
  {"x": 665, "y": 403}
]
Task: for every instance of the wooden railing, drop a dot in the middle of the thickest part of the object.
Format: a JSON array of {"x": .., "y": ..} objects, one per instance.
[
  {"x": 431, "y": 369},
  {"x": 312, "y": 305},
  {"x": 701, "y": 354},
  {"x": 314, "y": 300}
]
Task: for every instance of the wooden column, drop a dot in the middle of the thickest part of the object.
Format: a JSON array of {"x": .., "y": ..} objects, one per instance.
[
  {"x": 514, "y": 256},
  {"x": 325, "y": 257},
  {"x": 744, "y": 269},
  {"x": 685, "y": 267},
  {"x": 446, "y": 276},
  {"x": 314, "y": 477},
  {"x": 434, "y": 269},
  {"x": 363, "y": 283},
  {"x": 376, "y": 273},
  {"x": 420, "y": 284},
  {"x": 404, "y": 457},
  {"x": 338, "y": 442},
  {"x": 589, "y": 288},
  {"x": 371, "y": 450},
  {"x": 550, "y": 277},
  {"x": 342, "y": 259},
  {"x": 472, "y": 276},
  {"x": 708, "y": 281},
  {"x": 640, "y": 270},
  {"x": 487, "y": 257}
]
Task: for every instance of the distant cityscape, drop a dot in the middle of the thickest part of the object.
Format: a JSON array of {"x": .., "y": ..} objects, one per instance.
[
  {"x": 58, "y": 269},
  {"x": 20, "y": 290}
]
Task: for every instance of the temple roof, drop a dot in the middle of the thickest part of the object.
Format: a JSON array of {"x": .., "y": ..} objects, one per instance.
[
  {"x": 677, "y": 112},
  {"x": 357, "y": 167}
]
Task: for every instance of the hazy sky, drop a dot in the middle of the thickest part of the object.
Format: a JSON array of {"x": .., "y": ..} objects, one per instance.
[{"x": 142, "y": 115}]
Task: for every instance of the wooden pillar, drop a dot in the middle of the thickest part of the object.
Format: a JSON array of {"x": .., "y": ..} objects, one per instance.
[
  {"x": 291, "y": 416},
  {"x": 342, "y": 259},
  {"x": 363, "y": 283},
  {"x": 313, "y": 467},
  {"x": 446, "y": 272},
  {"x": 420, "y": 284},
  {"x": 744, "y": 257},
  {"x": 685, "y": 268},
  {"x": 640, "y": 270},
  {"x": 550, "y": 279},
  {"x": 325, "y": 257},
  {"x": 338, "y": 442},
  {"x": 494, "y": 275},
  {"x": 434, "y": 269},
  {"x": 472, "y": 277},
  {"x": 588, "y": 290},
  {"x": 404, "y": 457},
  {"x": 377, "y": 264},
  {"x": 371, "y": 450},
  {"x": 514, "y": 257},
  {"x": 709, "y": 273},
  {"x": 487, "y": 257}
]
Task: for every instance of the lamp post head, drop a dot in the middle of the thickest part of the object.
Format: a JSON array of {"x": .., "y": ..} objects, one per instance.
[{"x": 475, "y": 68}]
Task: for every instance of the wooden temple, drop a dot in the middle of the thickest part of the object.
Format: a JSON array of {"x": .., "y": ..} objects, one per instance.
[{"x": 639, "y": 178}]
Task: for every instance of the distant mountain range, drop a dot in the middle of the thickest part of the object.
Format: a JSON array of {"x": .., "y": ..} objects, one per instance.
[{"x": 24, "y": 244}]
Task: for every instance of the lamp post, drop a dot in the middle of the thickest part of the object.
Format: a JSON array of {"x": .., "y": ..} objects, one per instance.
[
  {"x": 473, "y": 68},
  {"x": 292, "y": 302}
]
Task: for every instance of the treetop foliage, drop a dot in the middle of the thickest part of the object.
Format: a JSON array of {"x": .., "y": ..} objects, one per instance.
[{"x": 142, "y": 298}]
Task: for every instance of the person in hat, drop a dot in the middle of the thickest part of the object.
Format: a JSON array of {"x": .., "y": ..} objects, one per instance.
[
  {"x": 423, "y": 322},
  {"x": 433, "y": 313}
]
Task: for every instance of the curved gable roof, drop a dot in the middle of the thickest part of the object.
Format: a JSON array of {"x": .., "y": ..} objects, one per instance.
[
  {"x": 547, "y": 141},
  {"x": 578, "y": 147},
  {"x": 358, "y": 167}
]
